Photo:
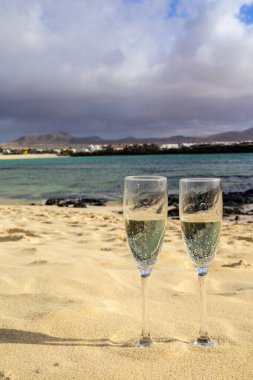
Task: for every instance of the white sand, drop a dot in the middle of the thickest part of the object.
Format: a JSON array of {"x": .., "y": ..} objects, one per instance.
[
  {"x": 70, "y": 301},
  {"x": 26, "y": 156}
]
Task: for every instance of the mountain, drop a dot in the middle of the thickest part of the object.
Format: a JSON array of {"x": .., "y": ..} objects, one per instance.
[
  {"x": 246, "y": 135},
  {"x": 51, "y": 138},
  {"x": 62, "y": 139},
  {"x": 56, "y": 138}
]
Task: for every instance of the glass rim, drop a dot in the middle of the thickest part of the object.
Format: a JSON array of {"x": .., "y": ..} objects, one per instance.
[
  {"x": 200, "y": 179},
  {"x": 145, "y": 178}
]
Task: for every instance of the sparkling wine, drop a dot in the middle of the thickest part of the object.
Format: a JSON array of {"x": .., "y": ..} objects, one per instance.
[
  {"x": 201, "y": 239},
  {"x": 145, "y": 238}
]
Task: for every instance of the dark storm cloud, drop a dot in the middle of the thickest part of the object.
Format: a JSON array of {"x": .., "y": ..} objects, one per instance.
[{"x": 124, "y": 67}]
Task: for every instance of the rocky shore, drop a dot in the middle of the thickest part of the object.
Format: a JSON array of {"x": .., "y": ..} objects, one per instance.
[
  {"x": 234, "y": 203},
  {"x": 73, "y": 201}
]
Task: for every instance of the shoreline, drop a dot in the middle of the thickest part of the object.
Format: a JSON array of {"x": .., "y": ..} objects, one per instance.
[
  {"x": 238, "y": 204},
  {"x": 27, "y": 156},
  {"x": 242, "y": 215},
  {"x": 135, "y": 153},
  {"x": 42, "y": 202}
]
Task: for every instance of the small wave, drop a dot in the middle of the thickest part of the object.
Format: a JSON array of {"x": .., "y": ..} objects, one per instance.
[{"x": 103, "y": 177}]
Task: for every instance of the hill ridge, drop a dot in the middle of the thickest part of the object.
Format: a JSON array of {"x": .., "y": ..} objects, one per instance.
[{"x": 66, "y": 139}]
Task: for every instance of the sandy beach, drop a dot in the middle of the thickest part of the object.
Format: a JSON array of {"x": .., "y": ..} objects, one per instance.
[
  {"x": 26, "y": 156},
  {"x": 70, "y": 300}
]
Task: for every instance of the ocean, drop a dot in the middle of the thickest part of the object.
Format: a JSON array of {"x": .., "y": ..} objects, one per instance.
[{"x": 36, "y": 180}]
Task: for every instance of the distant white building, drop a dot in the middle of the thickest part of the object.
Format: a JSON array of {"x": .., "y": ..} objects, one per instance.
[
  {"x": 94, "y": 148},
  {"x": 168, "y": 146},
  {"x": 6, "y": 151}
]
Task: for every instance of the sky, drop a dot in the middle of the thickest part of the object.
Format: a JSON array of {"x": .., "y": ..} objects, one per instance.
[{"x": 116, "y": 68}]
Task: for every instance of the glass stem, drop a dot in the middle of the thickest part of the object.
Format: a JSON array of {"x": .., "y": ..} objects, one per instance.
[
  {"x": 203, "y": 335},
  {"x": 145, "y": 308}
]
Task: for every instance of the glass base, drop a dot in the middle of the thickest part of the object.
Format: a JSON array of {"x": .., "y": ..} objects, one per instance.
[
  {"x": 205, "y": 342},
  {"x": 144, "y": 342}
]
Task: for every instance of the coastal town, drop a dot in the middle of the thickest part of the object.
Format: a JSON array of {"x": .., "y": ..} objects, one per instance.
[{"x": 122, "y": 149}]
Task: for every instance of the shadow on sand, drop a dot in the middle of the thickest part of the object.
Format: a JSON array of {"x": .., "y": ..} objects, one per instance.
[{"x": 28, "y": 337}]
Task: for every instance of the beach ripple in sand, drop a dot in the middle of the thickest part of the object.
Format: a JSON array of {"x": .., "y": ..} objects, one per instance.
[
  {"x": 70, "y": 301},
  {"x": 15, "y": 234}
]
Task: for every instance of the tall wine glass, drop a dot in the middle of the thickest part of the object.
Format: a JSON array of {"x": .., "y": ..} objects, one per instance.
[
  {"x": 200, "y": 208},
  {"x": 145, "y": 214}
]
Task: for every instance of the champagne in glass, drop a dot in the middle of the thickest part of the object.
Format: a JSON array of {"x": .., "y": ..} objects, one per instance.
[
  {"x": 200, "y": 208},
  {"x": 145, "y": 215}
]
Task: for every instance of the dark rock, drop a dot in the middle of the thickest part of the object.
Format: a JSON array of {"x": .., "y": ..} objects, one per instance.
[
  {"x": 238, "y": 198},
  {"x": 232, "y": 211},
  {"x": 233, "y": 203},
  {"x": 80, "y": 205},
  {"x": 173, "y": 200},
  {"x": 76, "y": 202},
  {"x": 53, "y": 201},
  {"x": 173, "y": 212}
]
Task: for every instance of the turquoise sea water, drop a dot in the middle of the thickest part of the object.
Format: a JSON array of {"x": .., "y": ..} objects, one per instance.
[{"x": 39, "y": 179}]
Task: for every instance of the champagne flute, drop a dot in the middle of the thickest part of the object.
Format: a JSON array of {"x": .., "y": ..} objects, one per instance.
[
  {"x": 200, "y": 209},
  {"x": 145, "y": 214}
]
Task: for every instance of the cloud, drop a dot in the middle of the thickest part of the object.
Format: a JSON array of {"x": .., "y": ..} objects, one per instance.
[{"x": 121, "y": 67}]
